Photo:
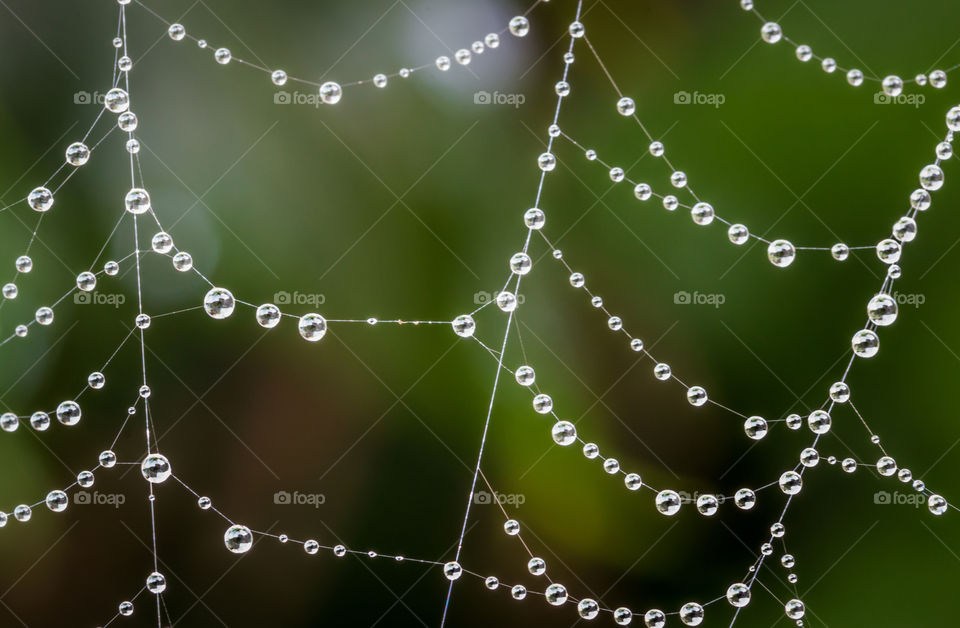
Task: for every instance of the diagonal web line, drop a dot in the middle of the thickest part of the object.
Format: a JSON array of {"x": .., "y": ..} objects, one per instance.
[{"x": 503, "y": 349}]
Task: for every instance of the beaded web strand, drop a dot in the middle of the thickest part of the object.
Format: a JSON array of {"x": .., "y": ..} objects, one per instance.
[{"x": 221, "y": 303}]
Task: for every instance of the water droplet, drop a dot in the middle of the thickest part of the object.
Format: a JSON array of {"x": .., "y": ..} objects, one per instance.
[
  {"x": 331, "y": 93},
  {"x": 137, "y": 201},
  {"x": 219, "y": 303},
  {"x": 57, "y": 501},
  {"x": 791, "y": 482},
  {"x": 238, "y": 539},
  {"x": 738, "y": 595},
  {"x": 564, "y": 433},
  {"x": 312, "y": 327},
  {"x": 155, "y": 468},
  {"x": 668, "y": 502},
  {"x": 781, "y": 253},
  {"x": 626, "y": 106},
  {"x": 68, "y": 412},
  {"x": 865, "y": 343},
  {"x": 519, "y": 26},
  {"x": 156, "y": 583},
  {"x": 771, "y": 33},
  {"x": 40, "y": 199},
  {"x": 452, "y": 570},
  {"x": 556, "y": 595},
  {"x": 268, "y": 315},
  {"x": 464, "y": 326},
  {"x": 691, "y": 614},
  {"x": 77, "y": 154}
]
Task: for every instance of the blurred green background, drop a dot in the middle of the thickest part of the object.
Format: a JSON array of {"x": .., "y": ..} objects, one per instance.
[{"x": 295, "y": 198}]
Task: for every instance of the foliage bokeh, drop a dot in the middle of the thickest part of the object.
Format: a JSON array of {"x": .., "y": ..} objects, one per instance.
[{"x": 406, "y": 203}]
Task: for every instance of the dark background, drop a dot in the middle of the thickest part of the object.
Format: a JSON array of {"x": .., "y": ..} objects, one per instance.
[{"x": 296, "y": 198}]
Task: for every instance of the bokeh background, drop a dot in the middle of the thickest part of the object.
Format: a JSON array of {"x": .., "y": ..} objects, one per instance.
[{"x": 301, "y": 199}]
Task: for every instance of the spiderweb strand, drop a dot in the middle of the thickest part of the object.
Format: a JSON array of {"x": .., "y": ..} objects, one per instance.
[
  {"x": 219, "y": 303},
  {"x": 503, "y": 347},
  {"x": 772, "y": 33},
  {"x": 463, "y": 57}
]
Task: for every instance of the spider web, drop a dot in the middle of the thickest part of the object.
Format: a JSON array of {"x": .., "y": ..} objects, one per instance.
[{"x": 675, "y": 193}]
